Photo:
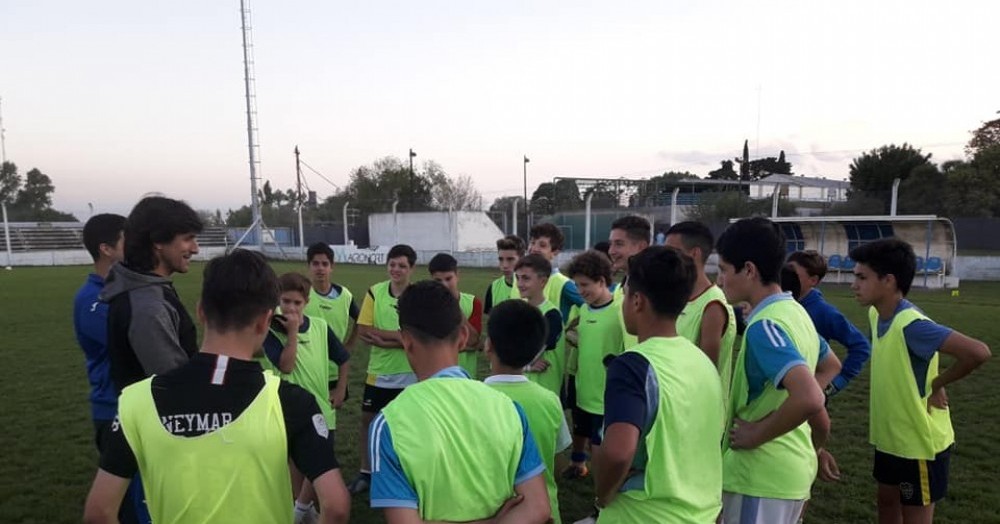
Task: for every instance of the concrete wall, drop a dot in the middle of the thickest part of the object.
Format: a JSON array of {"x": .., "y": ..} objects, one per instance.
[
  {"x": 78, "y": 257},
  {"x": 435, "y": 231},
  {"x": 977, "y": 268}
]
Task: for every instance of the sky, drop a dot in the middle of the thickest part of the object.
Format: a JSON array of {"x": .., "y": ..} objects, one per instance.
[{"x": 115, "y": 99}]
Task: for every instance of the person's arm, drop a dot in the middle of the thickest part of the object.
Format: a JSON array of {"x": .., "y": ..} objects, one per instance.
[
  {"x": 475, "y": 325},
  {"x": 290, "y": 350},
  {"x": 713, "y": 326},
  {"x": 804, "y": 401},
  {"x": 626, "y": 410},
  {"x": 969, "y": 354},
  {"x": 841, "y": 330},
  {"x": 153, "y": 335},
  {"x": 828, "y": 365},
  {"x": 367, "y": 331},
  {"x": 488, "y": 300},
  {"x": 770, "y": 350},
  {"x": 338, "y": 354},
  {"x": 311, "y": 450},
  {"x": 104, "y": 499}
]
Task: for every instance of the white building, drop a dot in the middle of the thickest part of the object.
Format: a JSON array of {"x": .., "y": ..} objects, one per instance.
[{"x": 801, "y": 188}]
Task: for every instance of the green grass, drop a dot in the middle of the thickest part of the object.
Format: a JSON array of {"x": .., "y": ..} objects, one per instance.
[{"x": 48, "y": 459}]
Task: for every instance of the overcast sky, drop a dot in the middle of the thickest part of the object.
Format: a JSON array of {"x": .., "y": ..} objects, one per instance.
[{"x": 113, "y": 99}]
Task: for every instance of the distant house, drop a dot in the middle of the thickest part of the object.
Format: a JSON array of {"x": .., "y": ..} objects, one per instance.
[{"x": 801, "y": 188}]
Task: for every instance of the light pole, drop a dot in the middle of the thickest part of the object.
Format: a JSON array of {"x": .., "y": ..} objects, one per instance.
[
  {"x": 412, "y": 194},
  {"x": 527, "y": 208}
]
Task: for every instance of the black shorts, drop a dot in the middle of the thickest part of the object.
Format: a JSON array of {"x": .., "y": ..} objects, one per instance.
[
  {"x": 347, "y": 391},
  {"x": 920, "y": 482},
  {"x": 376, "y": 398},
  {"x": 587, "y": 425},
  {"x": 568, "y": 395}
]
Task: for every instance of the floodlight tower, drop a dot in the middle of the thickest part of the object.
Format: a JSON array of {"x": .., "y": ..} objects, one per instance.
[{"x": 251, "y": 99}]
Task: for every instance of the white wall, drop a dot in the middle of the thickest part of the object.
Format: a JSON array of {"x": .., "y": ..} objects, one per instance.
[
  {"x": 434, "y": 231},
  {"x": 78, "y": 257}
]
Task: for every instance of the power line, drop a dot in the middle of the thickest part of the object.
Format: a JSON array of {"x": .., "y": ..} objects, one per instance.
[{"x": 310, "y": 168}]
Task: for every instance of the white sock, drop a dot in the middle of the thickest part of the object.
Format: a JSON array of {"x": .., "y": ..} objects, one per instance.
[{"x": 302, "y": 508}]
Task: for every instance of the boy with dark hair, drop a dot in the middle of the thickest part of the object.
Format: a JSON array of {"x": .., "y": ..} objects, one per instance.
[
  {"x": 532, "y": 272},
  {"x": 629, "y": 235},
  {"x": 388, "y": 369},
  {"x": 444, "y": 269},
  {"x": 547, "y": 240},
  {"x": 599, "y": 335},
  {"x": 301, "y": 349},
  {"x": 777, "y": 421},
  {"x": 708, "y": 320},
  {"x": 493, "y": 467},
  {"x": 509, "y": 249},
  {"x": 213, "y": 437},
  {"x": 664, "y": 413},
  {"x": 910, "y": 424},
  {"x": 831, "y": 324},
  {"x": 149, "y": 331},
  {"x": 335, "y": 304},
  {"x": 103, "y": 237},
  {"x": 516, "y": 334}
]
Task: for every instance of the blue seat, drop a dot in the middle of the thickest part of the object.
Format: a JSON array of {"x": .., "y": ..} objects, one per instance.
[
  {"x": 935, "y": 265},
  {"x": 920, "y": 265},
  {"x": 834, "y": 262},
  {"x": 848, "y": 265}
]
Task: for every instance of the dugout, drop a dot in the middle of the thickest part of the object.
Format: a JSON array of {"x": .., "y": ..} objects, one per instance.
[{"x": 933, "y": 239}]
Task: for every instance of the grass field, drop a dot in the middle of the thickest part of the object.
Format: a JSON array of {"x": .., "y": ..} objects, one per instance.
[{"x": 48, "y": 458}]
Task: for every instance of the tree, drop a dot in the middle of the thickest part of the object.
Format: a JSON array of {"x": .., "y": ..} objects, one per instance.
[
  {"x": 455, "y": 193},
  {"x": 724, "y": 205},
  {"x": 920, "y": 194},
  {"x": 10, "y": 182},
  {"x": 656, "y": 191},
  {"x": 971, "y": 193},
  {"x": 986, "y": 136},
  {"x": 36, "y": 193},
  {"x": 725, "y": 172},
  {"x": 875, "y": 170},
  {"x": 550, "y": 198}
]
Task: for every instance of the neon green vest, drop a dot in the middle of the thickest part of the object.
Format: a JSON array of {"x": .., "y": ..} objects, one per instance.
[
  {"x": 553, "y": 290},
  {"x": 552, "y": 378},
  {"x": 459, "y": 443},
  {"x": 545, "y": 417},
  {"x": 500, "y": 291},
  {"x": 337, "y": 314},
  {"x": 469, "y": 360},
  {"x": 312, "y": 363},
  {"x": 783, "y": 468},
  {"x": 689, "y": 327},
  {"x": 600, "y": 336},
  {"x": 628, "y": 340},
  {"x": 898, "y": 419},
  {"x": 238, "y": 473},
  {"x": 572, "y": 354},
  {"x": 385, "y": 361},
  {"x": 680, "y": 455}
]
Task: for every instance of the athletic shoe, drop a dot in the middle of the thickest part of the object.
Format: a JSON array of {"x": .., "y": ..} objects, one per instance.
[{"x": 575, "y": 471}]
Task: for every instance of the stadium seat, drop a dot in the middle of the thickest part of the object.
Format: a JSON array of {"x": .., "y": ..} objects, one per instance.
[
  {"x": 920, "y": 265},
  {"x": 935, "y": 266},
  {"x": 833, "y": 264}
]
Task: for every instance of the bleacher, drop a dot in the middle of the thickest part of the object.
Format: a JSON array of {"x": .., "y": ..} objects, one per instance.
[
  {"x": 45, "y": 237},
  {"x": 29, "y": 236}
]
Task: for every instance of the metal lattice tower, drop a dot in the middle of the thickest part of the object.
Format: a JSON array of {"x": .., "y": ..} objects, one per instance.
[{"x": 251, "y": 98}]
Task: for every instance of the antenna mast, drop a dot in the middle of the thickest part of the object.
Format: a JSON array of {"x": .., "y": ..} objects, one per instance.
[{"x": 251, "y": 98}]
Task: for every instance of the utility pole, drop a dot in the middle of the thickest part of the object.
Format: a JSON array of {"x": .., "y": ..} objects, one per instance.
[
  {"x": 251, "y": 103},
  {"x": 298, "y": 181},
  {"x": 413, "y": 196},
  {"x": 527, "y": 208}
]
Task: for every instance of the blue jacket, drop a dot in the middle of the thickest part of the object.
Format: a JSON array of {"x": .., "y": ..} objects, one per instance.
[
  {"x": 90, "y": 321},
  {"x": 832, "y": 325}
]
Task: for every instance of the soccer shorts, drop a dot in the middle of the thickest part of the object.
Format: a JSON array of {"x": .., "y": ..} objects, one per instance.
[
  {"x": 376, "y": 398},
  {"x": 744, "y": 509},
  {"x": 920, "y": 482}
]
